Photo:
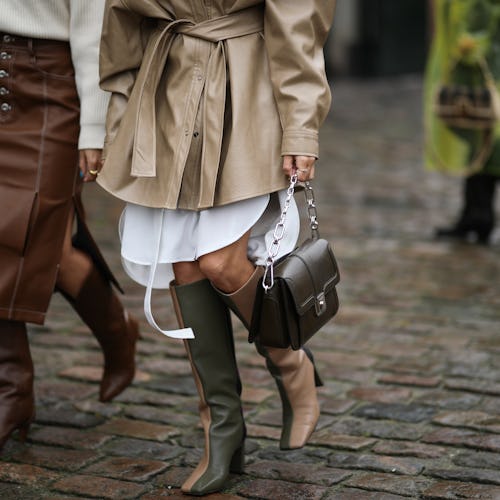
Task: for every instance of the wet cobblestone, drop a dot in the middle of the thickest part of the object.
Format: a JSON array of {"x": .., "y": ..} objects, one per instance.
[{"x": 411, "y": 403}]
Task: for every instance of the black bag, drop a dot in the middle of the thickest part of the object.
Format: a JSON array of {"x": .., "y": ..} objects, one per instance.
[{"x": 297, "y": 294}]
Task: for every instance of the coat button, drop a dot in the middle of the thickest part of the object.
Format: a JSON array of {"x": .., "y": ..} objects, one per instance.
[
  {"x": 4, "y": 91},
  {"x": 5, "y": 107},
  {"x": 5, "y": 55},
  {"x": 8, "y": 38},
  {"x": 3, "y": 73}
]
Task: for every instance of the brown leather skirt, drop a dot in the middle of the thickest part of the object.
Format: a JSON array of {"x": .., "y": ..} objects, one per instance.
[{"x": 39, "y": 176}]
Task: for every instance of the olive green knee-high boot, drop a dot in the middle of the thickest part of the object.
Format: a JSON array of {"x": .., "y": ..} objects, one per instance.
[
  {"x": 293, "y": 371},
  {"x": 211, "y": 354}
]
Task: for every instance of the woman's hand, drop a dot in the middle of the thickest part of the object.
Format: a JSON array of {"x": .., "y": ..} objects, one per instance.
[
  {"x": 90, "y": 164},
  {"x": 303, "y": 165}
]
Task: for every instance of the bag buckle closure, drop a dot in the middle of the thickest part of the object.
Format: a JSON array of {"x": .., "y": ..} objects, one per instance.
[{"x": 320, "y": 304}]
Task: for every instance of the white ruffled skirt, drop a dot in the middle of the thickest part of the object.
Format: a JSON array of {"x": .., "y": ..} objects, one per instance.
[{"x": 152, "y": 239}]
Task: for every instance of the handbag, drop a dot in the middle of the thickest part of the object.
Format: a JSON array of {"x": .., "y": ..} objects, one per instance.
[
  {"x": 297, "y": 294},
  {"x": 471, "y": 108}
]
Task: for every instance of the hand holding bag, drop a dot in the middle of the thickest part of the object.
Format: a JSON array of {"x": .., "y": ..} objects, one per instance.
[{"x": 297, "y": 294}]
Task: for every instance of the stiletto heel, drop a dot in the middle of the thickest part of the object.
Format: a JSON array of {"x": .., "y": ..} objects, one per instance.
[{"x": 23, "y": 430}]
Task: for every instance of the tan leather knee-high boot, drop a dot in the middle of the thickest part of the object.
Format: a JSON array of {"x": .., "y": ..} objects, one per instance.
[
  {"x": 215, "y": 372},
  {"x": 293, "y": 371},
  {"x": 116, "y": 331},
  {"x": 17, "y": 405}
]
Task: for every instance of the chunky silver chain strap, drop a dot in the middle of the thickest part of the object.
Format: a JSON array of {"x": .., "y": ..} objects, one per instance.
[{"x": 279, "y": 230}]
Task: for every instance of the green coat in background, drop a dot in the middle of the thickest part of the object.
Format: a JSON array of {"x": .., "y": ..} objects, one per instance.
[{"x": 466, "y": 33}]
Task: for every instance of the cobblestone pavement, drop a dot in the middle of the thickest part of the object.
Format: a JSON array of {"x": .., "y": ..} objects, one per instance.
[{"x": 412, "y": 362}]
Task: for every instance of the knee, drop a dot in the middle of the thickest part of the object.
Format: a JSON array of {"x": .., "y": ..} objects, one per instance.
[{"x": 215, "y": 267}]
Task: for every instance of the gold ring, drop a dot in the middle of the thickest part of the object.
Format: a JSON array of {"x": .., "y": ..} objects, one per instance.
[{"x": 93, "y": 172}]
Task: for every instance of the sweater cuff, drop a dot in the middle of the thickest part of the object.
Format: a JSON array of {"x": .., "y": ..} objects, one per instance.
[
  {"x": 300, "y": 142},
  {"x": 91, "y": 136}
]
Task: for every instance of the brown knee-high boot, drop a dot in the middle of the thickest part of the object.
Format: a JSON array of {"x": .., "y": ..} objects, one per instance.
[
  {"x": 293, "y": 371},
  {"x": 17, "y": 406},
  {"x": 116, "y": 331},
  {"x": 211, "y": 354}
]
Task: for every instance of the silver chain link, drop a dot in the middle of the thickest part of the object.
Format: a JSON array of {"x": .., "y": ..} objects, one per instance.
[{"x": 279, "y": 230}]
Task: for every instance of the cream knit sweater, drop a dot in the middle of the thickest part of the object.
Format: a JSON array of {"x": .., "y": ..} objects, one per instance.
[{"x": 80, "y": 23}]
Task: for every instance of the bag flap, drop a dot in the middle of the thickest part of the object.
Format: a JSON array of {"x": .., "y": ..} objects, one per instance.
[{"x": 310, "y": 272}]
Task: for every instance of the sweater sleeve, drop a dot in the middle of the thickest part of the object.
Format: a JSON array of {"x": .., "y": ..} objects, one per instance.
[
  {"x": 84, "y": 36},
  {"x": 295, "y": 33}
]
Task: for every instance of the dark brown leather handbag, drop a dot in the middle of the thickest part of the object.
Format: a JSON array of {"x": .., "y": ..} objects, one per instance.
[{"x": 297, "y": 294}]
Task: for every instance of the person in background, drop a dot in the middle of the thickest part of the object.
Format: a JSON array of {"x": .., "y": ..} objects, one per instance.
[
  {"x": 52, "y": 116},
  {"x": 464, "y": 57},
  {"x": 215, "y": 104}
]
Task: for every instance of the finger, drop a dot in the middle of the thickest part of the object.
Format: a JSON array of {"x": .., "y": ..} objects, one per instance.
[
  {"x": 288, "y": 165},
  {"x": 305, "y": 167},
  {"x": 93, "y": 160}
]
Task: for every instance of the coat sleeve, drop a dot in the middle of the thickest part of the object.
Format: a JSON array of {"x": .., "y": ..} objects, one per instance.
[
  {"x": 295, "y": 33},
  {"x": 121, "y": 52}
]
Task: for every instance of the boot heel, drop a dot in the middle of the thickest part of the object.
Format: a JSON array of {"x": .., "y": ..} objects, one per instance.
[
  {"x": 23, "y": 430},
  {"x": 237, "y": 464}
]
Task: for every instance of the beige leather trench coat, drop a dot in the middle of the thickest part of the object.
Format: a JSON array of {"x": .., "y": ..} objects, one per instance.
[{"x": 207, "y": 96}]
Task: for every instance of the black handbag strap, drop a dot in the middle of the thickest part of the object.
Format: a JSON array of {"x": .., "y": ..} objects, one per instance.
[{"x": 279, "y": 230}]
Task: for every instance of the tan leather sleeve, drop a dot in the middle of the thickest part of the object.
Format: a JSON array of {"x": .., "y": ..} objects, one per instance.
[
  {"x": 121, "y": 53},
  {"x": 295, "y": 33}
]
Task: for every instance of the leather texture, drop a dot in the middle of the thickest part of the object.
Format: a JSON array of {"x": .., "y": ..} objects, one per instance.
[
  {"x": 39, "y": 182},
  {"x": 17, "y": 405},
  {"x": 186, "y": 76},
  {"x": 211, "y": 354},
  {"x": 302, "y": 299}
]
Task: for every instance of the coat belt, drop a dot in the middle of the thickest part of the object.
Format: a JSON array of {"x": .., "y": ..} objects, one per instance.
[{"x": 216, "y": 30}]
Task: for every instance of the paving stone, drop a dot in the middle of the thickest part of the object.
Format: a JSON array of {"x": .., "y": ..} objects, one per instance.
[
  {"x": 449, "y": 400},
  {"x": 129, "y": 469},
  {"x": 405, "y": 466},
  {"x": 267, "y": 489},
  {"x": 172, "y": 384},
  {"x": 471, "y": 419},
  {"x": 411, "y": 380},
  {"x": 380, "y": 394},
  {"x": 355, "y": 494},
  {"x": 66, "y": 416},
  {"x": 55, "y": 391},
  {"x": 332, "y": 358},
  {"x": 402, "y": 412},
  {"x": 455, "y": 489},
  {"x": 336, "y": 406},
  {"x": 138, "y": 429},
  {"x": 481, "y": 460},
  {"x": 390, "y": 483},
  {"x": 473, "y": 385},
  {"x": 20, "y": 492},
  {"x": 141, "y": 448},
  {"x": 255, "y": 395},
  {"x": 168, "y": 366},
  {"x": 465, "y": 438},
  {"x": 163, "y": 415},
  {"x": 69, "y": 438},
  {"x": 99, "y": 487},
  {"x": 409, "y": 449},
  {"x": 98, "y": 408},
  {"x": 172, "y": 478},
  {"x": 138, "y": 396},
  {"x": 263, "y": 431},
  {"x": 299, "y": 473},
  {"x": 473, "y": 475},
  {"x": 26, "y": 474},
  {"x": 339, "y": 441},
  {"x": 377, "y": 428},
  {"x": 55, "y": 458}
]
